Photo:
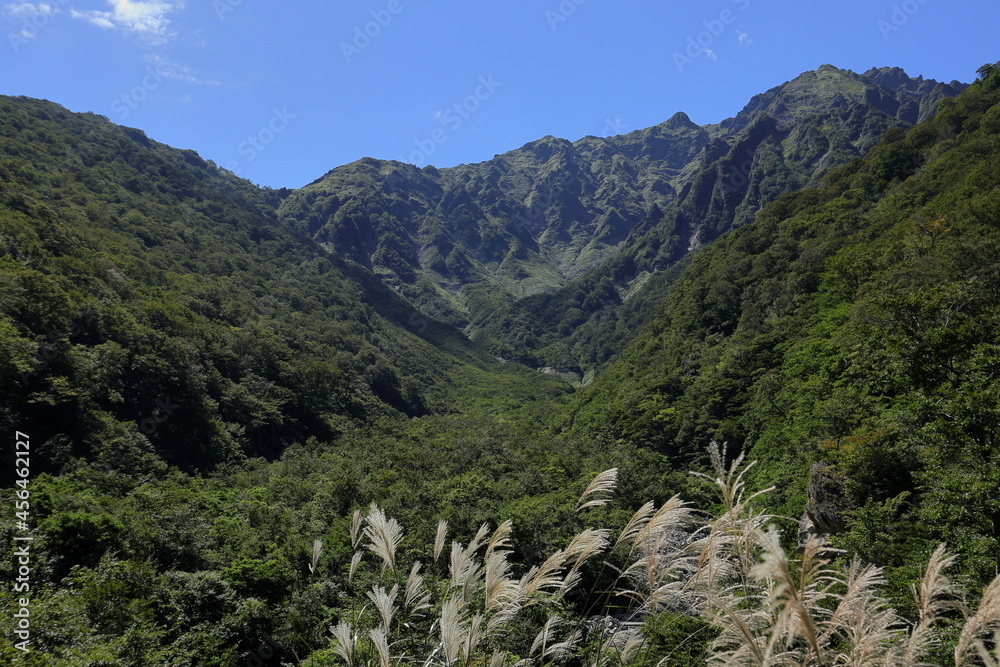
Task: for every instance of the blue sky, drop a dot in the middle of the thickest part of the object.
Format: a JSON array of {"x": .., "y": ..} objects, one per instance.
[{"x": 283, "y": 92}]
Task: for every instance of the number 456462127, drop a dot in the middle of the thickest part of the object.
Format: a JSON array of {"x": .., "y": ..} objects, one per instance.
[{"x": 22, "y": 463}]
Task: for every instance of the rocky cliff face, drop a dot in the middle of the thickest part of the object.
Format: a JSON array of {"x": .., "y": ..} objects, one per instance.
[{"x": 464, "y": 242}]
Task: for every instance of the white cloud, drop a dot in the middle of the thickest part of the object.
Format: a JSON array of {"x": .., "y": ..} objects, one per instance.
[
  {"x": 177, "y": 72},
  {"x": 147, "y": 20},
  {"x": 711, "y": 54},
  {"x": 744, "y": 39},
  {"x": 28, "y": 10}
]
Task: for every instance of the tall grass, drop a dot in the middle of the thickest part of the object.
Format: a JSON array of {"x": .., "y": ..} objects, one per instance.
[{"x": 758, "y": 604}]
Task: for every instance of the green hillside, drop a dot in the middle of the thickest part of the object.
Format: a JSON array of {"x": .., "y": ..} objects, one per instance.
[
  {"x": 852, "y": 326},
  {"x": 272, "y": 428}
]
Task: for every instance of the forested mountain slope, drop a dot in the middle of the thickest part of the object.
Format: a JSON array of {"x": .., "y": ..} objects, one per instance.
[
  {"x": 229, "y": 391},
  {"x": 596, "y": 223},
  {"x": 853, "y": 326},
  {"x": 140, "y": 285}
]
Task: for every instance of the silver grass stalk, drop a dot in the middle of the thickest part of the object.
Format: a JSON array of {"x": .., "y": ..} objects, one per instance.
[
  {"x": 378, "y": 637},
  {"x": 385, "y": 604},
  {"x": 986, "y": 620},
  {"x": 544, "y": 577},
  {"x": 473, "y": 635},
  {"x": 384, "y": 536},
  {"x": 452, "y": 636},
  {"x": 547, "y": 632},
  {"x": 416, "y": 596},
  {"x": 466, "y": 572},
  {"x": 478, "y": 540},
  {"x": 501, "y": 590},
  {"x": 500, "y": 538},
  {"x": 934, "y": 596},
  {"x": 636, "y": 523},
  {"x": 355, "y": 529},
  {"x": 867, "y": 628},
  {"x": 795, "y": 602},
  {"x": 602, "y": 485},
  {"x": 355, "y": 561},
  {"x": 439, "y": 539},
  {"x": 582, "y": 548},
  {"x": 345, "y": 642},
  {"x": 316, "y": 552}
]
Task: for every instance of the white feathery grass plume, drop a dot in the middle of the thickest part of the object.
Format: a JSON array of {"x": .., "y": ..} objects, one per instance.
[
  {"x": 629, "y": 650},
  {"x": 602, "y": 485},
  {"x": 546, "y": 644},
  {"x": 564, "y": 648},
  {"x": 355, "y": 529},
  {"x": 498, "y": 659},
  {"x": 439, "y": 539},
  {"x": 345, "y": 644},
  {"x": 587, "y": 544},
  {"x": 500, "y": 538},
  {"x": 385, "y": 604},
  {"x": 636, "y": 523},
  {"x": 868, "y": 629},
  {"x": 934, "y": 597},
  {"x": 729, "y": 481},
  {"x": 316, "y": 552},
  {"x": 381, "y": 643},
  {"x": 466, "y": 572},
  {"x": 473, "y": 635},
  {"x": 501, "y": 590},
  {"x": 796, "y": 603},
  {"x": 452, "y": 636},
  {"x": 544, "y": 577},
  {"x": 478, "y": 540},
  {"x": 384, "y": 536},
  {"x": 983, "y": 622},
  {"x": 416, "y": 596},
  {"x": 355, "y": 561},
  {"x": 547, "y": 632},
  {"x": 584, "y": 546}
]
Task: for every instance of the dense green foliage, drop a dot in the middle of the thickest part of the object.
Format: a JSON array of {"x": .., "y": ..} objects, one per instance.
[
  {"x": 142, "y": 287},
  {"x": 853, "y": 325},
  {"x": 579, "y": 227},
  {"x": 216, "y": 378}
]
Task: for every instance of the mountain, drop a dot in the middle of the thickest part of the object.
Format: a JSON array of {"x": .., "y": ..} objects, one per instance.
[
  {"x": 846, "y": 340},
  {"x": 223, "y": 407},
  {"x": 471, "y": 245},
  {"x": 144, "y": 286}
]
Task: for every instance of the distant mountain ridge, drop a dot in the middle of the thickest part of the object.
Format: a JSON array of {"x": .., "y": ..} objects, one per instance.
[
  {"x": 468, "y": 244},
  {"x": 462, "y": 242}
]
